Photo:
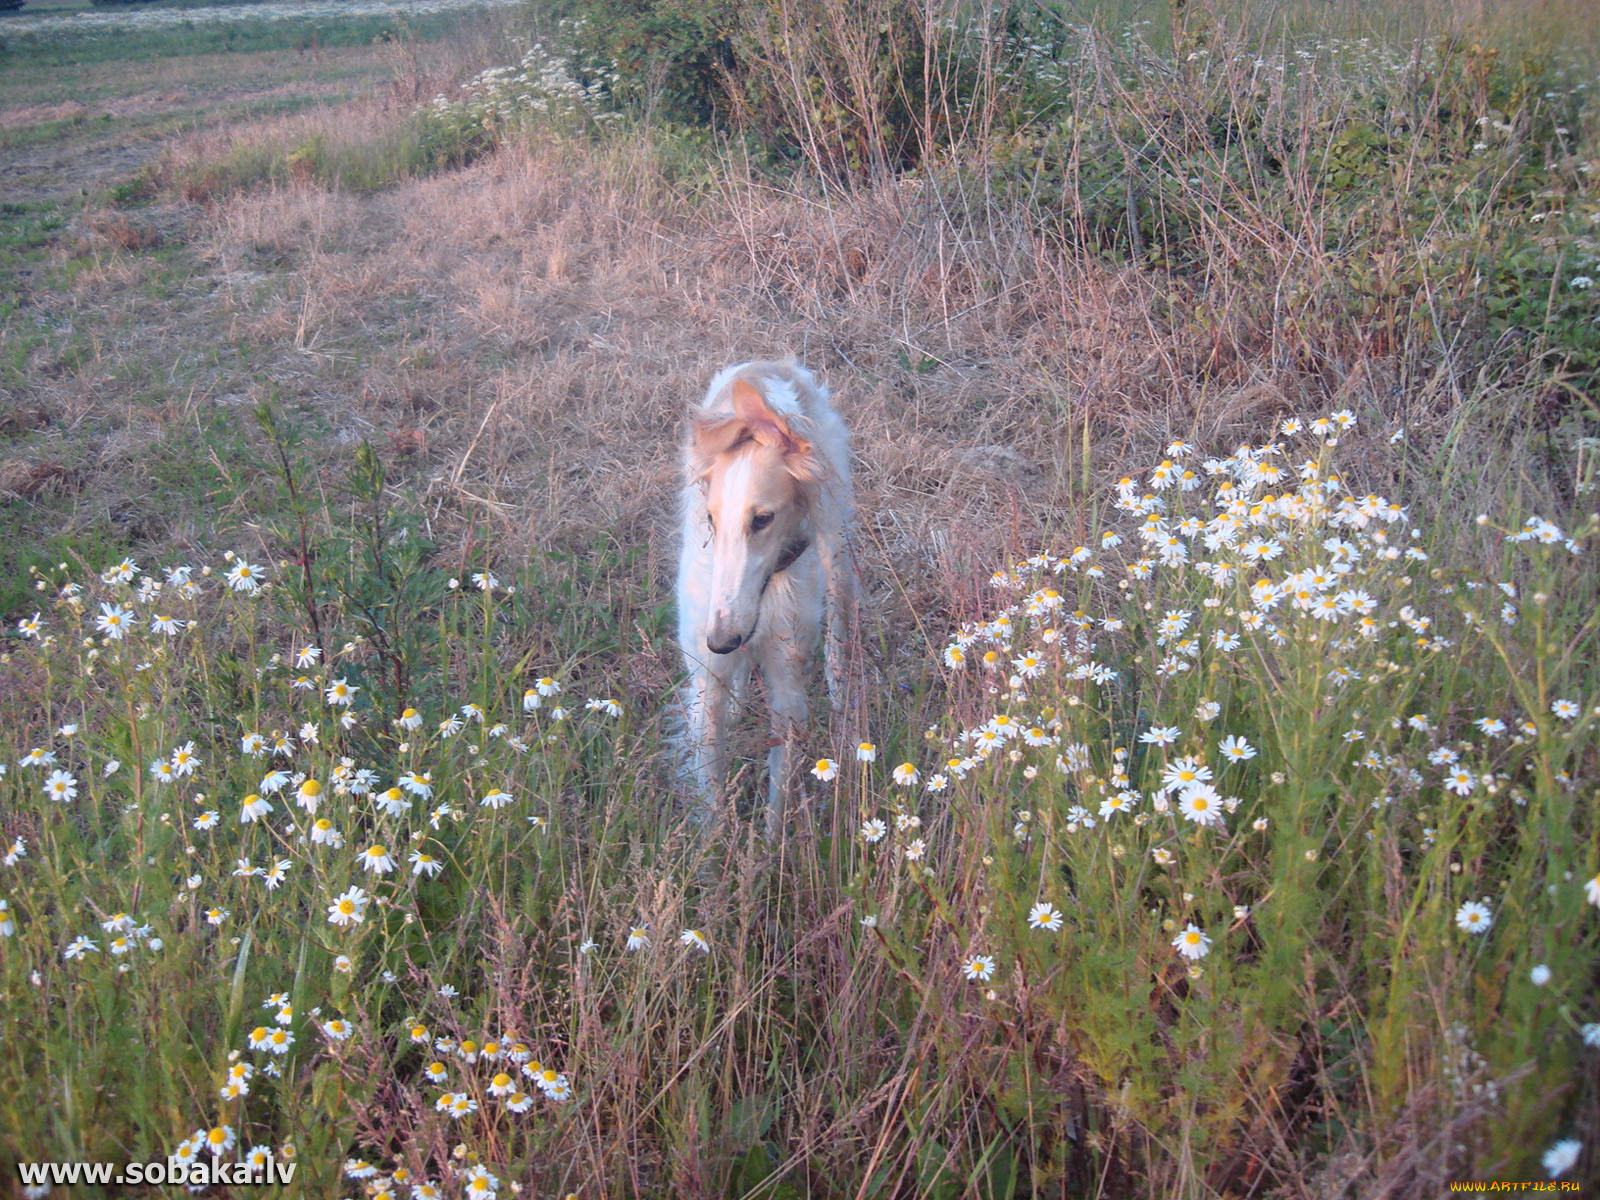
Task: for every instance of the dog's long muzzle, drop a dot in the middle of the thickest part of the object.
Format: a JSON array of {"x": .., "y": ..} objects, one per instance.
[{"x": 727, "y": 645}]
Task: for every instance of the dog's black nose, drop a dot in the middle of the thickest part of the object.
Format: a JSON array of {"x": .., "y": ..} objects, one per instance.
[{"x": 727, "y": 647}]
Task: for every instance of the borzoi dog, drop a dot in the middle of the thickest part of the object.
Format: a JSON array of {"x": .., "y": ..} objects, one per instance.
[{"x": 764, "y": 565}]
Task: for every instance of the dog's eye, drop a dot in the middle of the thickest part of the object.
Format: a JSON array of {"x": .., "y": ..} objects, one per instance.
[{"x": 760, "y": 521}]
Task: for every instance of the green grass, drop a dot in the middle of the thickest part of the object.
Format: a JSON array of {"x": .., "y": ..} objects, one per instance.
[
  {"x": 368, "y": 164},
  {"x": 25, "y": 230},
  {"x": 176, "y": 488},
  {"x": 159, "y": 125},
  {"x": 1352, "y": 878}
]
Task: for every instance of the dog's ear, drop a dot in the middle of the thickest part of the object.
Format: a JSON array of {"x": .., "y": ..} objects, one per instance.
[
  {"x": 773, "y": 429},
  {"x": 710, "y": 434},
  {"x": 800, "y": 460},
  {"x": 766, "y": 426}
]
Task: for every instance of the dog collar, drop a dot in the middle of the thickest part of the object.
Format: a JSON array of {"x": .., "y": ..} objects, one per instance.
[{"x": 791, "y": 552}]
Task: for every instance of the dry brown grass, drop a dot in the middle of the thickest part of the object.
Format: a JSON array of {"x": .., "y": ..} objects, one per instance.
[
  {"x": 23, "y": 478},
  {"x": 558, "y": 316},
  {"x": 522, "y": 336}
]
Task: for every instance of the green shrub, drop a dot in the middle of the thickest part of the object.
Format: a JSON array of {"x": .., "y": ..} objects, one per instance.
[
  {"x": 847, "y": 90},
  {"x": 671, "y": 57}
]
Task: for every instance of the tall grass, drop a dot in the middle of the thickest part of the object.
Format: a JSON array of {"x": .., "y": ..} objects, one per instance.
[{"x": 1177, "y": 893}]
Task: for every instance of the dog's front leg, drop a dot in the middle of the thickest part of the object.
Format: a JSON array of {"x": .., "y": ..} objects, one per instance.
[
  {"x": 783, "y": 669},
  {"x": 710, "y": 701}
]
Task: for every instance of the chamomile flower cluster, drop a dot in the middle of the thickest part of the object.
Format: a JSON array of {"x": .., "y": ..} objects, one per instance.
[
  {"x": 498, "y": 1070},
  {"x": 309, "y": 820},
  {"x": 1123, "y": 706},
  {"x": 465, "y": 1081},
  {"x": 540, "y": 85}
]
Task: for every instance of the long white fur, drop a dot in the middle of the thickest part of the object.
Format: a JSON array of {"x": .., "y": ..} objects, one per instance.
[{"x": 811, "y": 598}]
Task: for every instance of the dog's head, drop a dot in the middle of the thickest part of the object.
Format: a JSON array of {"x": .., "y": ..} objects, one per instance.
[{"x": 759, "y": 473}]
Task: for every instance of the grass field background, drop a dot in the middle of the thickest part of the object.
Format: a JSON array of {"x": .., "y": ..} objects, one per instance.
[{"x": 1223, "y": 388}]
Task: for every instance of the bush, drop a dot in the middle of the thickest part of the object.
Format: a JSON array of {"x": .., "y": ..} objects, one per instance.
[
  {"x": 673, "y": 58},
  {"x": 847, "y": 90}
]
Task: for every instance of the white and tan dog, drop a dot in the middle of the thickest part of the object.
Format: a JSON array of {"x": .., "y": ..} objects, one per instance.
[{"x": 764, "y": 567}]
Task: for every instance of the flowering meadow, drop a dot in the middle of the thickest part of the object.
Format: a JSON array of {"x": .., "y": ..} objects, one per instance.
[
  {"x": 1246, "y": 818},
  {"x": 1213, "y": 810}
]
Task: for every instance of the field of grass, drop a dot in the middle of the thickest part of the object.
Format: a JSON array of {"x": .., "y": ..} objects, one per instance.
[{"x": 1225, "y": 395}]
